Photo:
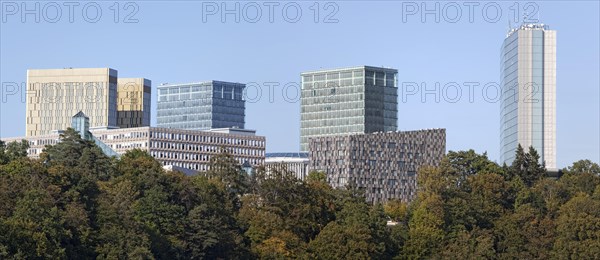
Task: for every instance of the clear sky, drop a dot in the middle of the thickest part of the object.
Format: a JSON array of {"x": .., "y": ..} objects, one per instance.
[{"x": 186, "y": 41}]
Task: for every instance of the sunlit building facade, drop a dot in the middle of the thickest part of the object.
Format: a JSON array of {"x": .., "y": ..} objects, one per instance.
[
  {"x": 201, "y": 106},
  {"x": 349, "y": 100},
  {"x": 383, "y": 165},
  {"x": 55, "y": 95},
  {"x": 133, "y": 102},
  {"x": 528, "y": 104},
  {"x": 296, "y": 163},
  {"x": 188, "y": 149}
]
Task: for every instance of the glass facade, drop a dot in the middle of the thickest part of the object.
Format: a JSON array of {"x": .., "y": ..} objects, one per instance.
[
  {"x": 201, "y": 106},
  {"x": 527, "y": 107},
  {"x": 350, "y": 100}
]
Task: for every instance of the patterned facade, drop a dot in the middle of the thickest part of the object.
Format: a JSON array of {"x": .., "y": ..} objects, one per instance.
[
  {"x": 55, "y": 95},
  {"x": 201, "y": 106},
  {"x": 133, "y": 102},
  {"x": 181, "y": 148},
  {"x": 349, "y": 100},
  {"x": 383, "y": 164},
  {"x": 528, "y": 104}
]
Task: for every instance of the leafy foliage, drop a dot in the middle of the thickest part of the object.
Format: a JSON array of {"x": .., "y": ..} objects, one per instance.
[{"x": 76, "y": 203}]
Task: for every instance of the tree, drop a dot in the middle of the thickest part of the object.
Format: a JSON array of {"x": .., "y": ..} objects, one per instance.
[
  {"x": 359, "y": 232},
  {"x": 524, "y": 234},
  {"x": 467, "y": 163},
  {"x": 580, "y": 182},
  {"x": 396, "y": 210},
  {"x": 488, "y": 199},
  {"x": 578, "y": 229},
  {"x": 119, "y": 234},
  {"x": 583, "y": 166},
  {"x": 35, "y": 229},
  {"x": 211, "y": 231},
  {"x": 226, "y": 169},
  {"x": 475, "y": 244},
  {"x": 13, "y": 151},
  {"x": 527, "y": 166},
  {"x": 3, "y": 157}
]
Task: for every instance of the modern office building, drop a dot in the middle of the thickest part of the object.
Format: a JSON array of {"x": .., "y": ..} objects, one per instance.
[
  {"x": 528, "y": 104},
  {"x": 349, "y": 100},
  {"x": 383, "y": 164},
  {"x": 201, "y": 106},
  {"x": 55, "y": 95},
  {"x": 189, "y": 149},
  {"x": 292, "y": 162},
  {"x": 133, "y": 102}
]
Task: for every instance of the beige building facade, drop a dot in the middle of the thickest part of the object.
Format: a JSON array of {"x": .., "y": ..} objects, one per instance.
[
  {"x": 133, "y": 102},
  {"x": 55, "y": 95}
]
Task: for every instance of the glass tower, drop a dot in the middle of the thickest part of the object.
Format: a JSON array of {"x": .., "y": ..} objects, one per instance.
[
  {"x": 349, "y": 100},
  {"x": 201, "y": 106},
  {"x": 528, "y": 104}
]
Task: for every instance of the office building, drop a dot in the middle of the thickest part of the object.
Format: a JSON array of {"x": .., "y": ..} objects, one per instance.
[
  {"x": 133, "y": 102},
  {"x": 296, "y": 163},
  {"x": 55, "y": 95},
  {"x": 383, "y": 164},
  {"x": 188, "y": 149},
  {"x": 201, "y": 106},
  {"x": 528, "y": 104},
  {"x": 349, "y": 100}
]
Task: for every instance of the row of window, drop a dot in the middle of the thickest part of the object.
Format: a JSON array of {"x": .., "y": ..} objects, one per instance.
[
  {"x": 206, "y": 139},
  {"x": 206, "y": 148}
]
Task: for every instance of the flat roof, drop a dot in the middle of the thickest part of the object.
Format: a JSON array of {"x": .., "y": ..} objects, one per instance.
[
  {"x": 290, "y": 155},
  {"x": 166, "y": 85},
  {"x": 349, "y": 68}
]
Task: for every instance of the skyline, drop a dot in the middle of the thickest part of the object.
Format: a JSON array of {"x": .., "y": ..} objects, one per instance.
[{"x": 461, "y": 60}]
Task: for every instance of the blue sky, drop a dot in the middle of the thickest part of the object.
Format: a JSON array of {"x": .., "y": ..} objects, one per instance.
[{"x": 178, "y": 42}]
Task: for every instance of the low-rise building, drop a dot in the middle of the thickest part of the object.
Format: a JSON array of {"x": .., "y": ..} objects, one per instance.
[
  {"x": 293, "y": 162},
  {"x": 189, "y": 149}
]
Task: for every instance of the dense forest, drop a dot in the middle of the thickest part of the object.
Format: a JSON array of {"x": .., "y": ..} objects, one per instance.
[{"x": 76, "y": 203}]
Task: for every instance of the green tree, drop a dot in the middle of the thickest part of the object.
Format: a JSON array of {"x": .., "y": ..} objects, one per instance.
[
  {"x": 211, "y": 231},
  {"x": 13, "y": 151},
  {"x": 35, "y": 230},
  {"x": 578, "y": 229},
  {"x": 583, "y": 166},
  {"x": 359, "y": 232},
  {"x": 527, "y": 166},
  {"x": 467, "y": 163},
  {"x": 3, "y": 157},
  {"x": 475, "y": 244}
]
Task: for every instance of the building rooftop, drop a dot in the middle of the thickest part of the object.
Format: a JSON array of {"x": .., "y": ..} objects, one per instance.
[
  {"x": 208, "y": 82},
  {"x": 528, "y": 27},
  {"x": 291, "y": 155},
  {"x": 232, "y": 130},
  {"x": 350, "y": 68}
]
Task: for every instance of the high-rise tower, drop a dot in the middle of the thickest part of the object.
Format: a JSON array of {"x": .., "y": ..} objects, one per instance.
[
  {"x": 349, "y": 100},
  {"x": 528, "y": 104}
]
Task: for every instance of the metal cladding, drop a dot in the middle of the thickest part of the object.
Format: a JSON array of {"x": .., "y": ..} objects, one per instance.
[{"x": 383, "y": 165}]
